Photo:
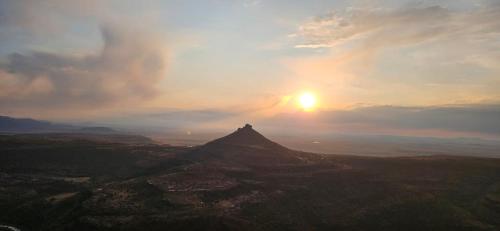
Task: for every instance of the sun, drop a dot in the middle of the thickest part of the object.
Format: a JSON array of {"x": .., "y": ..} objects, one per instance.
[{"x": 307, "y": 101}]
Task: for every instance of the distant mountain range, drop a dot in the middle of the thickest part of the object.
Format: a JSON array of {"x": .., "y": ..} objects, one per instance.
[
  {"x": 30, "y": 128},
  {"x": 22, "y": 125},
  {"x": 27, "y": 125}
]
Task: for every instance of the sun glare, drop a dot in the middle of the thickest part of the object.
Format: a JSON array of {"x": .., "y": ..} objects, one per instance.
[{"x": 307, "y": 101}]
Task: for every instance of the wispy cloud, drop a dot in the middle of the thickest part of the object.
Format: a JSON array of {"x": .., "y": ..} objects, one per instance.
[
  {"x": 252, "y": 3},
  {"x": 412, "y": 55},
  {"x": 390, "y": 27}
]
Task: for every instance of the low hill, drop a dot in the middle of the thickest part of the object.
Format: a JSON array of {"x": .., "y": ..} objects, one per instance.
[
  {"x": 248, "y": 147},
  {"x": 25, "y": 125},
  {"x": 246, "y": 137}
]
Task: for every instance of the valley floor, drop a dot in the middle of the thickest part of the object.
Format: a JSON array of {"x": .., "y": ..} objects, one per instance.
[{"x": 88, "y": 185}]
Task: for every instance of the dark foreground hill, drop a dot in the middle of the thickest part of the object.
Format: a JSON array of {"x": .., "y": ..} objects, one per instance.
[
  {"x": 240, "y": 182},
  {"x": 247, "y": 147}
]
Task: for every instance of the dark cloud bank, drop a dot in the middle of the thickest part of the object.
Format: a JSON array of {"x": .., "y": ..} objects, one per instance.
[
  {"x": 463, "y": 120},
  {"x": 472, "y": 118},
  {"x": 484, "y": 119}
]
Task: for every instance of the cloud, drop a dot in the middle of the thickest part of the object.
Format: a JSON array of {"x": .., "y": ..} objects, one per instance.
[
  {"x": 465, "y": 118},
  {"x": 192, "y": 116},
  {"x": 251, "y": 3},
  {"x": 170, "y": 120},
  {"x": 377, "y": 27},
  {"x": 27, "y": 19},
  {"x": 413, "y": 55},
  {"x": 127, "y": 68},
  {"x": 475, "y": 120},
  {"x": 459, "y": 119}
]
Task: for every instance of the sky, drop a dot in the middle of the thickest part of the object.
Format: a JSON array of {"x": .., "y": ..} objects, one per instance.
[{"x": 424, "y": 67}]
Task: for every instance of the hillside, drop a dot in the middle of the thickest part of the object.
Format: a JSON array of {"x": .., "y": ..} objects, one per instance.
[
  {"x": 248, "y": 147},
  {"x": 242, "y": 181}
]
